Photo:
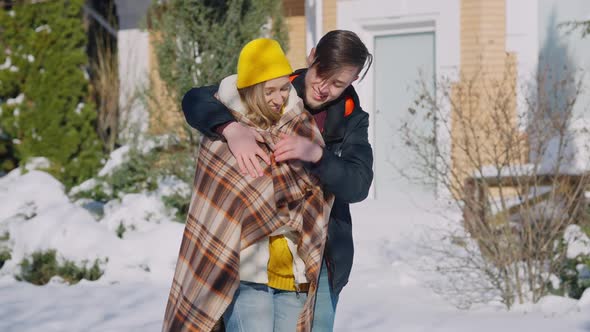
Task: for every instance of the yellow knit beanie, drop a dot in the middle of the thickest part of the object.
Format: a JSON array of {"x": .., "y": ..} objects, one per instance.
[{"x": 261, "y": 60}]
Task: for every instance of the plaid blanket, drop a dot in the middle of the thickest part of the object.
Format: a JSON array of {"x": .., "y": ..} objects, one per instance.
[{"x": 230, "y": 211}]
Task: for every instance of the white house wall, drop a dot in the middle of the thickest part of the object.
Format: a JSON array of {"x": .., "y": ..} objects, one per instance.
[
  {"x": 533, "y": 32},
  {"x": 133, "y": 49},
  {"x": 314, "y": 23},
  {"x": 551, "y": 13},
  {"x": 522, "y": 38},
  {"x": 371, "y": 18}
]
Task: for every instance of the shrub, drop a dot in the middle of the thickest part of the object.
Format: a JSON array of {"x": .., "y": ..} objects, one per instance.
[
  {"x": 574, "y": 277},
  {"x": 44, "y": 265},
  {"x": 197, "y": 43},
  {"x": 4, "y": 251},
  {"x": 141, "y": 172},
  {"x": 43, "y": 89},
  {"x": 121, "y": 230},
  {"x": 4, "y": 256},
  {"x": 199, "y": 39},
  {"x": 574, "y": 272},
  {"x": 135, "y": 175},
  {"x": 518, "y": 187},
  {"x": 179, "y": 203}
]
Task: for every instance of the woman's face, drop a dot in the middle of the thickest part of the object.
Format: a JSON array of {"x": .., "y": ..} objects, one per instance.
[{"x": 276, "y": 92}]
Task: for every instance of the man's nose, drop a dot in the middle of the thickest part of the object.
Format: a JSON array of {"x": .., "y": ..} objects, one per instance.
[{"x": 323, "y": 87}]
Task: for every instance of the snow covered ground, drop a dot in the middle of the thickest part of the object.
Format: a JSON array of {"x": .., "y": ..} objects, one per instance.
[{"x": 388, "y": 290}]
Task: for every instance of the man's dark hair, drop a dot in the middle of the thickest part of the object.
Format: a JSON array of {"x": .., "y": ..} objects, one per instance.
[{"x": 339, "y": 48}]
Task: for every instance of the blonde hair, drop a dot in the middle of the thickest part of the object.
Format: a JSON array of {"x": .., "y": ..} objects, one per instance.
[{"x": 257, "y": 109}]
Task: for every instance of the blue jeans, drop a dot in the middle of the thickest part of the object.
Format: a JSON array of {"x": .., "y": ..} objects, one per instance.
[
  {"x": 259, "y": 308},
  {"x": 325, "y": 304}
]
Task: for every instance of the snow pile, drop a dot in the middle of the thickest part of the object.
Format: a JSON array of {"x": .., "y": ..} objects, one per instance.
[
  {"x": 144, "y": 145},
  {"x": 136, "y": 212},
  {"x": 37, "y": 163},
  {"x": 116, "y": 159},
  {"x": 390, "y": 287},
  {"x": 577, "y": 241},
  {"x": 38, "y": 216},
  {"x": 17, "y": 100}
]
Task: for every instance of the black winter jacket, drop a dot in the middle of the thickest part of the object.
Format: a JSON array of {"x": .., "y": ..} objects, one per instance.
[{"x": 345, "y": 168}]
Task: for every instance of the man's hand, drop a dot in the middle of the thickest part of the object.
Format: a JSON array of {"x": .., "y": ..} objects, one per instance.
[
  {"x": 297, "y": 147},
  {"x": 241, "y": 141}
]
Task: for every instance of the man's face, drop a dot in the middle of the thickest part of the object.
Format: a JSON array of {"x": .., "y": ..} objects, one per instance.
[{"x": 319, "y": 91}]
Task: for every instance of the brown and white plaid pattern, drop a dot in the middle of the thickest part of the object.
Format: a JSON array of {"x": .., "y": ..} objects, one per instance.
[{"x": 230, "y": 211}]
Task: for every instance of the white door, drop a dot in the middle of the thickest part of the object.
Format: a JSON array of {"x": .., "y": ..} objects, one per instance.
[{"x": 400, "y": 62}]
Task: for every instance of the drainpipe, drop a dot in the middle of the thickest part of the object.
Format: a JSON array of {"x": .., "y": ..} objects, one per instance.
[{"x": 101, "y": 20}]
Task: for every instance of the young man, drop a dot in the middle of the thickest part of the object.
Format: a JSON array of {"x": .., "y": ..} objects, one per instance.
[{"x": 344, "y": 166}]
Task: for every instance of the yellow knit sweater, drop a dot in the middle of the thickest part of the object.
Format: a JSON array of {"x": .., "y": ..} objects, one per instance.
[{"x": 280, "y": 264}]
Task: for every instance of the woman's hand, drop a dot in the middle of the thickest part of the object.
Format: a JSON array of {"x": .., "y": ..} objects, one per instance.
[
  {"x": 297, "y": 147},
  {"x": 241, "y": 141}
]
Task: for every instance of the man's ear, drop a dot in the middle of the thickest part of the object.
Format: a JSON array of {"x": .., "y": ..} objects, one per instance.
[
  {"x": 311, "y": 57},
  {"x": 353, "y": 80}
]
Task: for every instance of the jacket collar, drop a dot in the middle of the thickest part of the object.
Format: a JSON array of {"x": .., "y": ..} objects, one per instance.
[{"x": 334, "y": 127}]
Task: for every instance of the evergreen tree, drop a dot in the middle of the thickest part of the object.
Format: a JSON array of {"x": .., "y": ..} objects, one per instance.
[
  {"x": 42, "y": 64},
  {"x": 200, "y": 40}
]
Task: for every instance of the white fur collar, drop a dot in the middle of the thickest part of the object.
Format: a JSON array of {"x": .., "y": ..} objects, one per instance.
[{"x": 229, "y": 96}]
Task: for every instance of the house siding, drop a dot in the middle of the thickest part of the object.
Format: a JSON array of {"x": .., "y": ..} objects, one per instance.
[
  {"x": 330, "y": 15},
  {"x": 295, "y": 16},
  {"x": 483, "y": 56}
]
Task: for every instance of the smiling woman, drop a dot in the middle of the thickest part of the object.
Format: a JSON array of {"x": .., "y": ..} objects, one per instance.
[
  {"x": 267, "y": 233},
  {"x": 263, "y": 81},
  {"x": 276, "y": 92},
  {"x": 265, "y": 101}
]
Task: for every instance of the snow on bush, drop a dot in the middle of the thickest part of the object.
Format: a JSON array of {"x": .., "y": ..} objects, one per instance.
[
  {"x": 38, "y": 216},
  {"x": 577, "y": 241}
]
